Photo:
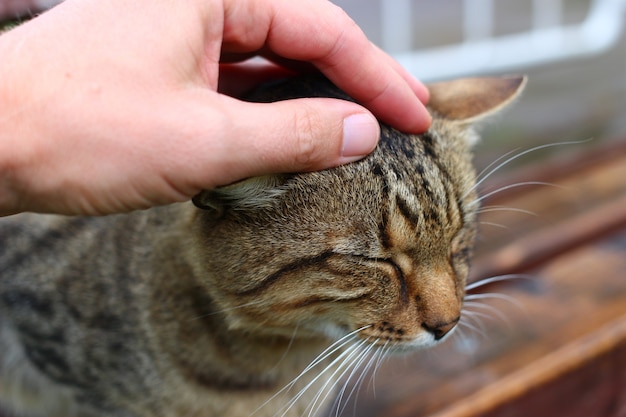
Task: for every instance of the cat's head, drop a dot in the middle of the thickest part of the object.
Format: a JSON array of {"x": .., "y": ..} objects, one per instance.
[{"x": 382, "y": 244}]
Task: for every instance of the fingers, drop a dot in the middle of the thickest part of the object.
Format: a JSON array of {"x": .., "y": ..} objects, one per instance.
[
  {"x": 321, "y": 33},
  {"x": 298, "y": 135},
  {"x": 304, "y": 134},
  {"x": 417, "y": 86}
]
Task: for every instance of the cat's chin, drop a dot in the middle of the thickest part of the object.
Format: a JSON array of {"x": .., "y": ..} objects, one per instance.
[{"x": 406, "y": 345}]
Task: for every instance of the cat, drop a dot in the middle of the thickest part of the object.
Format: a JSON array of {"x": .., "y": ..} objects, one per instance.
[{"x": 209, "y": 309}]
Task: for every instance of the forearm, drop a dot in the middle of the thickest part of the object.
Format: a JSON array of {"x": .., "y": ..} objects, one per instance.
[{"x": 26, "y": 98}]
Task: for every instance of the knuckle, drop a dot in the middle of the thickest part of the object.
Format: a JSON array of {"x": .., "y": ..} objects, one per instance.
[{"x": 306, "y": 132}]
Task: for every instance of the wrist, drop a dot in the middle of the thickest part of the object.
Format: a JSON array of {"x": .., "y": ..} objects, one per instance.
[
  {"x": 15, "y": 140},
  {"x": 8, "y": 127}
]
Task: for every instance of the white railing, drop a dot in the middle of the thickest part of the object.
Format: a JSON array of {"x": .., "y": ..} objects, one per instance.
[{"x": 547, "y": 40}]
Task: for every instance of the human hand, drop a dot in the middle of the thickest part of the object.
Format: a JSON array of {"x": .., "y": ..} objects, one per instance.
[{"x": 119, "y": 105}]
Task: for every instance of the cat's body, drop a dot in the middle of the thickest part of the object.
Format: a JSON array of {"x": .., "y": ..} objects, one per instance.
[
  {"x": 177, "y": 311},
  {"x": 110, "y": 305}
]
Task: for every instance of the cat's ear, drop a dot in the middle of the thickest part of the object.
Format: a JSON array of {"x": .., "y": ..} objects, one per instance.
[
  {"x": 469, "y": 100},
  {"x": 249, "y": 194}
]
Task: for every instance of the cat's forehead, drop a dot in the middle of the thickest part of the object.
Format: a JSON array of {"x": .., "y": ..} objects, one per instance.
[{"x": 404, "y": 178}]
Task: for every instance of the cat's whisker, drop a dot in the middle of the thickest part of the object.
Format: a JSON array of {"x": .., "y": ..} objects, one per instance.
[
  {"x": 485, "y": 173},
  {"x": 486, "y": 296},
  {"x": 510, "y": 186},
  {"x": 356, "y": 386},
  {"x": 489, "y": 209},
  {"x": 458, "y": 334},
  {"x": 338, "y": 400},
  {"x": 330, "y": 350},
  {"x": 487, "y": 307},
  {"x": 382, "y": 354},
  {"x": 475, "y": 317},
  {"x": 358, "y": 365},
  {"x": 333, "y": 379},
  {"x": 464, "y": 343},
  {"x": 514, "y": 157},
  {"x": 498, "y": 278},
  {"x": 478, "y": 327},
  {"x": 285, "y": 408},
  {"x": 501, "y": 226},
  {"x": 474, "y": 328}
]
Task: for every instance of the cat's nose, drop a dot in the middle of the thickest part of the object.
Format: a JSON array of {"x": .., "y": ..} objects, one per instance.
[{"x": 439, "y": 330}]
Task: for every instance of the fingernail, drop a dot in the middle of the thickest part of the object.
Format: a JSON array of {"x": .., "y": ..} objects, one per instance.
[{"x": 360, "y": 135}]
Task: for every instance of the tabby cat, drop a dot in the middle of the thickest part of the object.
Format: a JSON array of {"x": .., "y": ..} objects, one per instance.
[{"x": 210, "y": 309}]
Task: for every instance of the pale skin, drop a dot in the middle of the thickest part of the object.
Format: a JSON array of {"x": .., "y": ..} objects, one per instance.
[{"x": 112, "y": 106}]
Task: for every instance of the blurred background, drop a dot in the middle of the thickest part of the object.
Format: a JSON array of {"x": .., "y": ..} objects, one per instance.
[{"x": 572, "y": 50}]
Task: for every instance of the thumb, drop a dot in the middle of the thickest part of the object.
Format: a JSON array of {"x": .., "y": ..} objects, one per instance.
[{"x": 299, "y": 135}]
